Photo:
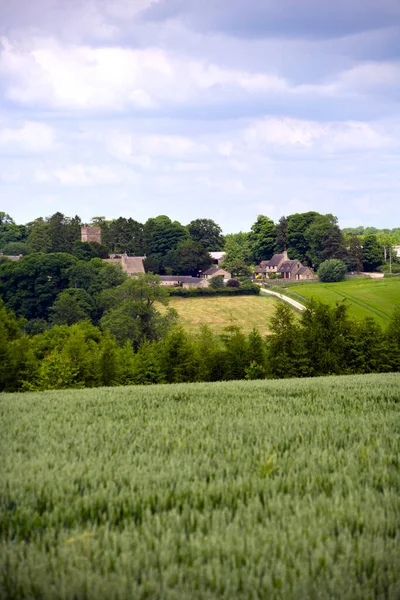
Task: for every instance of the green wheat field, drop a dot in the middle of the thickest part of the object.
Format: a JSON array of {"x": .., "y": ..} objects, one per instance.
[{"x": 283, "y": 489}]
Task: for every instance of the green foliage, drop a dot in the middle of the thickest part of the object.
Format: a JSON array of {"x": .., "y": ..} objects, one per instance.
[
  {"x": 15, "y": 248},
  {"x": 332, "y": 270},
  {"x": 189, "y": 258},
  {"x": 161, "y": 235},
  {"x": 30, "y": 285},
  {"x": 263, "y": 238},
  {"x": 372, "y": 253},
  {"x": 88, "y": 250},
  {"x": 237, "y": 251},
  {"x": 244, "y": 290},
  {"x": 235, "y": 490},
  {"x": 71, "y": 305},
  {"x": 207, "y": 233},
  {"x": 297, "y": 245},
  {"x": 217, "y": 282},
  {"x": 354, "y": 254}
]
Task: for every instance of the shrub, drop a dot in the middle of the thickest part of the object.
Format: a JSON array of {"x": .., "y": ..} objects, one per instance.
[
  {"x": 332, "y": 270},
  {"x": 233, "y": 283},
  {"x": 217, "y": 282}
]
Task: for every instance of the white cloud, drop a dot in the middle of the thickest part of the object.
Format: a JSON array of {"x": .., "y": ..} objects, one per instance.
[
  {"x": 85, "y": 175},
  {"x": 330, "y": 137},
  {"x": 81, "y": 77},
  {"x": 30, "y": 137}
]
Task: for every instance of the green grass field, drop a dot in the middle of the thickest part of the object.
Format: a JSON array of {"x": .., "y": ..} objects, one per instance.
[
  {"x": 242, "y": 490},
  {"x": 219, "y": 312},
  {"x": 366, "y": 297}
]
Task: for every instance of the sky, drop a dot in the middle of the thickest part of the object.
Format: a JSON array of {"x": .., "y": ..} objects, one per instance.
[{"x": 221, "y": 109}]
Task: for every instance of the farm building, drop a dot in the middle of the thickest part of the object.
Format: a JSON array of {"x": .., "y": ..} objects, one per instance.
[
  {"x": 215, "y": 272},
  {"x": 132, "y": 265},
  {"x": 185, "y": 281}
]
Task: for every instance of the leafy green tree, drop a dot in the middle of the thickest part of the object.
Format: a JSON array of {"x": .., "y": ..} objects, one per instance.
[
  {"x": 207, "y": 233},
  {"x": 71, "y": 305},
  {"x": 297, "y": 244},
  {"x": 263, "y": 238},
  {"x": 354, "y": 254},
  {"x": 15, "y": 248},
  {"x": 130, "y": 312},
  {"x": 10, "y": 231},
  {"x": 324, "y": 240},
  {"x": 326, "y": 333},
  {"x": 178, "y": 357},
  {"x": 147, "y": 367},
  {"x": 237, "y": 268},
  {"x": 30, "y": 285},
  {"x": 64, "y": 232},
  {"x": 285, "y": 352},
  {"x": 39, "y": 237},
  {"x": 372, "y": 253},
  {"x": 124, "y": 235},
  {"x": 332, "y": 270},
  {"x": 10, "y": 330},
  {"x": 161, "y": 235},
  {"x": 236, "y": 352},
  {"x": 88, "y": 250},
  {"x": 217, "y": 282},
  {"x": 281, "y": 234},
  {"x": 237, "y": 248},
  {"x": 188, "y": 259}
]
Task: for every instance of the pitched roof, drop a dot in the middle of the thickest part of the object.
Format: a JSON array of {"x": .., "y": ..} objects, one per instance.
[
  {"x": 303, "y": 270},
  {"x": 134, "y": 264},
  {"x": 211, "y": 271},
  {"x": 288, "y": 266},
  {"x": 275, "y": 260}
]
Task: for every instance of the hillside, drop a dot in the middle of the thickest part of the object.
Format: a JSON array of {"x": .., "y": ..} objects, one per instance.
[
  {"x": 366, "y": 297},
  {"x": 267, "y": 489},
  {"x": 219, "y": 312}
]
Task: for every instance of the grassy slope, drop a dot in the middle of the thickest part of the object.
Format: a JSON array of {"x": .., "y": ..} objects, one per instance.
[
  {"x": 279, "y": 489},
  {"x": 219, "y": 312},
  {"x": 366, "y": 297}
]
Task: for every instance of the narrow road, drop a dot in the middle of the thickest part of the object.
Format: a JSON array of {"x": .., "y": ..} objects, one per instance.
[{"x": 284, "y": 298}]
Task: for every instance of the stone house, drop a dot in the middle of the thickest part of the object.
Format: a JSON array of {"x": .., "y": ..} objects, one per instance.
[
  {"x": 132, "y": 265},
  {"x": 288, "y": 269},
  {"x": 271, "y": 266},
  {"x": 214, "y": 272},
  {"x": 293, "y": 269},
  {"x": 185, "y": 281}
]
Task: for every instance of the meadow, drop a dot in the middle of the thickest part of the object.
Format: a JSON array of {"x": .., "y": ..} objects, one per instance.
[
  {"x": 220, "y": 312},
  {"x": 366, "y": 297},
  {"x": 283, "y": 489}
]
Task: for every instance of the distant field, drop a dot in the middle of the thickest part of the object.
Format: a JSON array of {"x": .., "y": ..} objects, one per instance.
[
  {"x": 219, "y": 312},
  {"x": 238, "y": 490},
  {"x": 366, "y": 297}
]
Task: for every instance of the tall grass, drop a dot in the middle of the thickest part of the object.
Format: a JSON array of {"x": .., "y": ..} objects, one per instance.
[{"x": 266, "y": 489}]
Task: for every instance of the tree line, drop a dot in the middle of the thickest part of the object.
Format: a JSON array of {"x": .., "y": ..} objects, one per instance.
[
  {"x": 151, "y": 348},
  {"x": 174, "y": 249}
]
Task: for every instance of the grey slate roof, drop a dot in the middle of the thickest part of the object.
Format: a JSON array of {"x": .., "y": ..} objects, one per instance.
[
  {"x": 275, "y": 260},
  {"x": 287, "y": 266}
]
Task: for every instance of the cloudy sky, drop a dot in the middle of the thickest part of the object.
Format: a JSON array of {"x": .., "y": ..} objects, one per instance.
[{"x": 222, "y": 109}]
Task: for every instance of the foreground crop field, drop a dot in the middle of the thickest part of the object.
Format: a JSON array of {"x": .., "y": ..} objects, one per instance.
[
  {"x": 219, "y": 312},
  {"x": 266, "y": 489},
  {"x": 366, "y": 297}
]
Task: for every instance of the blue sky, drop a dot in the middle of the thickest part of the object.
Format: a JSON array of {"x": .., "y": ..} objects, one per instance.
[{"x": 223, "y": 109}]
